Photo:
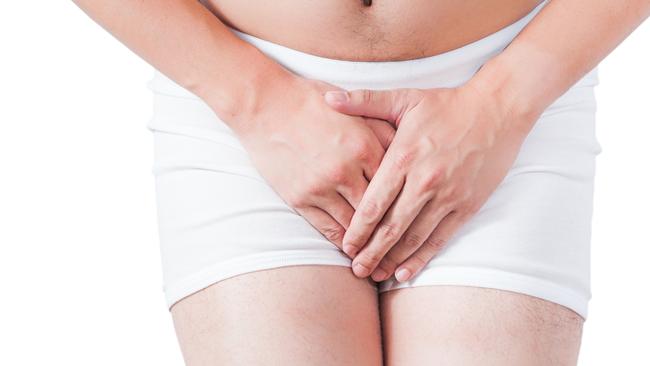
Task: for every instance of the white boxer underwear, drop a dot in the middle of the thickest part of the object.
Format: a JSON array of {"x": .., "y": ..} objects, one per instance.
[{"x": 218, "y": 217}]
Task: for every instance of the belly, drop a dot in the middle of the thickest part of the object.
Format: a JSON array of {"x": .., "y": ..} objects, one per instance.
[{"x": 387, "y": 30}]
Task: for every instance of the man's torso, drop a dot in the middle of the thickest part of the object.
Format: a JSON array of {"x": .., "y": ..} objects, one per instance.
[{"x": 385, "y": 30}]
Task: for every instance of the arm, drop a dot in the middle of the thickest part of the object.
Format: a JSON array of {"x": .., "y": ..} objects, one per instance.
[
  {"x": 454, "y": 146},
  {"x": 564, "y": 41},
  {"x": 271, "y": 110},
  {"x": 189, "y": 44}
]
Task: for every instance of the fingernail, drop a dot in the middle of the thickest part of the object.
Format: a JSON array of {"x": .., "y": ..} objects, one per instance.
[
  {"x": 337, "y": 96},
  {"x": 402, "y": 274},
  {"x": 360, "y": 270},
  {"x": 378, "y": 275}
]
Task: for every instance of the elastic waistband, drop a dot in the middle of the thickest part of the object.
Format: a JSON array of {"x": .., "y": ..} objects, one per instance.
[
  {"x": 448, "y": 69},
  {"x": 377, "y": 74}
]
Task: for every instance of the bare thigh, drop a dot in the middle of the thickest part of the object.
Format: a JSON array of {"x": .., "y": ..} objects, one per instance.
[
  {"x": 457, "y": 325},
  {"x": 297, "y": 315}
]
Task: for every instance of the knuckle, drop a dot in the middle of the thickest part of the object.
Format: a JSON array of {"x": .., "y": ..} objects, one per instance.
[
  {"x": 458, "y": 193},
  {"x": 366, "y": 96},
  {"x": 332, "y": 233},
  {"x": 296, "y": 200},
  {"x": 370, "y": 211},
  {"x": 433, "y": 178},
  {"x": 354, "y": 243},
  {"x": 313, "y": 190},
  {"x": 434, "y": 244},
  {"x": 412, "y": 240},
  {"x": 361, "y": 151},
  {"x": 389, "y": 232},
  {"x": 371, "y": 258},
  {"x": 337, "y": 174},
  {"x": 403, "y": 159},
  {"x": 465, "y": 194}
]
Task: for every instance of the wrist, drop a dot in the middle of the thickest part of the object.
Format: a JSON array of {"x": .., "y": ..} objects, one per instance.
[
  {"x": 237, "y": 98},
  {"x": 511, "y": 90}
]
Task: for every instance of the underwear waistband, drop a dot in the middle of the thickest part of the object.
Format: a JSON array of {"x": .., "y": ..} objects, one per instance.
[{"x": 447, "y": 69}]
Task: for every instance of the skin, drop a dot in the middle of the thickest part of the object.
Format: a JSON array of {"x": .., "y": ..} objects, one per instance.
[
  {"x": 454, "y": 146},
  {"x": 442, "y": 171},
  {"x": 452, "y": 325},
  {"x": 327, "y": 161},
  {"x": 387, "y": 30},
  {"x": 248, "y": 96},
  {"x": 286, "y": 316},
  {"x": 256, "y": 317}
]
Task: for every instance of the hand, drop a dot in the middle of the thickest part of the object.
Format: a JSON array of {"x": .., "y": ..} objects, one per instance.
[
  {"x": 452, "y": 148},
  {"x": 319, "y": 161}
]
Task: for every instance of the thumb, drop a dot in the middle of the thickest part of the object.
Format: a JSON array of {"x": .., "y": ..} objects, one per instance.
[
  {"x": 389, "y": 105},
  {"x": 382, "y": 129}
]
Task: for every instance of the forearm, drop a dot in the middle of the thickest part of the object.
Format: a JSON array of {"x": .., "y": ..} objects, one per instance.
[
  {"x": 560, "y": 45},
  {"x": 187, "y": 43}
]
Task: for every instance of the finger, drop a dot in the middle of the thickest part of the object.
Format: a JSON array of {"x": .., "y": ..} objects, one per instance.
[
  {"x": 384, "y": 104},
  {"x": 337, "y": 207},
  {"x": 401, "y": 214},
  {"x": 382, "y": 129},
  {"x": 380, "y": 194},
  {"x": 324, "y": 223},
  {"x": 431, "y": 246},
  {"x": 373, "y": 159},
  {"x": 421, "y": 228},
  {"x": 353, "y": 191}
]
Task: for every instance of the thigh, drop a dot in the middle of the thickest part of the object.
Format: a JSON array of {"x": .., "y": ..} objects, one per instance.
[
  {"x": 297, "y": 315},
  {"x": 463, "y": 325}
]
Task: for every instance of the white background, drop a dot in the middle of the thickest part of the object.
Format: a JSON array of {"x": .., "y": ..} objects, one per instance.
[{"x": 79, "y": 264}]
